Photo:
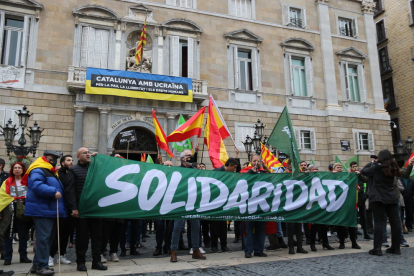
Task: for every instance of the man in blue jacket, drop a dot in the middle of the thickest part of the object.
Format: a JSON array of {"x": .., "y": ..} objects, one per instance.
[{"x": 43, "y": 201}]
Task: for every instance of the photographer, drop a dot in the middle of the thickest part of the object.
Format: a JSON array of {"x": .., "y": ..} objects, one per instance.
[{"x": 384, "y": 198}]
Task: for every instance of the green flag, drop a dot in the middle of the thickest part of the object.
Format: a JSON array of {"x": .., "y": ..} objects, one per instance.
[
  {"x": 283, "y": 138},
  {"x": 337, "y": 160},
  {"x": 313, "y": 161},
  {"x": 121, "y": 188},
  {"x": 183, "y": 145},
  {"x": 348, "y": 163},
  {"x": 149, "y": 159}
]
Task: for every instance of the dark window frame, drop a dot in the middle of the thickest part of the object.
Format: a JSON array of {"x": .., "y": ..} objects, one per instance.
[
  {"x": 385, "y": 65},
  {"x": 392, "y": 103},
  {"x": 381, "y": 31}
]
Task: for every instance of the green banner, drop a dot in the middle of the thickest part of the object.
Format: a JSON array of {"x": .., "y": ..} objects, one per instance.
[{"x": 120, "y": 188}]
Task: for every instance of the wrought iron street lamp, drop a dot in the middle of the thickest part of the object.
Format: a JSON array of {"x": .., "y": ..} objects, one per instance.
[
  {"x": 248, "y": 146},
  {"x": 256, "y": 142},
  {"x": 9, "y": 131}
]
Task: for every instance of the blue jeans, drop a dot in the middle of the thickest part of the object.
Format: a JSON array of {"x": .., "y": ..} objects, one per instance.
[
  {"x": 195, "y": 234},
  {"x": 22, "y": 228},
  {"x": 45, "y": 234},
  {"x": 279, "y": 229},
  {"x": 255, "y": 241}
]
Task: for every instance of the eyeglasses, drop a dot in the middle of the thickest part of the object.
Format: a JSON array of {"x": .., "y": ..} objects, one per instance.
[
  {"x": 188, "y": 155},
  {"x": 86, "y": 152}
]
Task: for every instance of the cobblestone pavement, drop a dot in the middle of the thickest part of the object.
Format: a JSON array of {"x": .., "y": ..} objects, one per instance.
[
  {"x": 345, "y": 264},
  {"x": 322, "y": 262}
]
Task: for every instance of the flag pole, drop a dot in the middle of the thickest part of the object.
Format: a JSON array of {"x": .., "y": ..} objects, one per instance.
[
  {"x": 58, "y": 233},
  {"x": 202, "y": 154},
  {"x": 128, "y": 149}
]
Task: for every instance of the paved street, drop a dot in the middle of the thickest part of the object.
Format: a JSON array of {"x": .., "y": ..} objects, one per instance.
[{"x": 323, "y": 262}]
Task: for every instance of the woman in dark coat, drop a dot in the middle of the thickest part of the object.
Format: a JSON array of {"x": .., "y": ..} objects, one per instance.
[{"x": 384, "y": 198}]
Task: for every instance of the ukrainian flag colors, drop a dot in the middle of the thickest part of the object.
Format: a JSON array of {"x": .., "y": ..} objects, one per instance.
[
  {"x": 190, "y": 128},
  {"x": 160, "y": 135},
  {"x": 269, "y": 159}
]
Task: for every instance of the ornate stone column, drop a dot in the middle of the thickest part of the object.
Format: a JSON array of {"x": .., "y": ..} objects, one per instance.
[
  {"x": 328, "y": 62},
  {"x": 78, "y": 130},
  {"x": 367, "y": 9},
  {"x": 103, "y": 130}
]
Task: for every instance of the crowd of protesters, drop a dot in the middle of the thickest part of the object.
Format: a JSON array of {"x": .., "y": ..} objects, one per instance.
[{"x": 49, "y": 189}]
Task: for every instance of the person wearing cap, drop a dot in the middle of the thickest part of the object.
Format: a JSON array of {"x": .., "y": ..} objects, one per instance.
[{"x": 43, "y": 202}]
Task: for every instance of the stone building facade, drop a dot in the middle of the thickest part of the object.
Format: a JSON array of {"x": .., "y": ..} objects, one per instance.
[
  {"x": 395, "y": 37},
  {"x": 319, "y": 58}
]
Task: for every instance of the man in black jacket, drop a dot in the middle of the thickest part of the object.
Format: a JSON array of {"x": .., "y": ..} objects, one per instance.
[
  {"x": 85, "y": 226},
  {"x": 218, "y": 229},
  {"x": 66, "y": 224}
]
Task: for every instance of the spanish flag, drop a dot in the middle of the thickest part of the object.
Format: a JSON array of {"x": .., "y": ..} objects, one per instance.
[
  {"x": 221, "y": 124},
  {"x": 269, "y": 159},
  {"x": 160, "y": 135},
  {"x": 143, "y": 157},
  {"x": 188, "y": 129},
  {"x": 214, "y": 140},
  {"x": 141, "y": 43}
]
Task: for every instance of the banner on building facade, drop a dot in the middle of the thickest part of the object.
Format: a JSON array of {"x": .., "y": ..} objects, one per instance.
[
  {"x": 138, "y": 85},
  {"x": 120, "y": 188}
]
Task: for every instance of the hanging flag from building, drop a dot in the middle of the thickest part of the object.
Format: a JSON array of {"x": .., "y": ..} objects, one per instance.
[
  {"x": 283, "y": 138},
  {"x": 160, "y": 135},
  {"x": 143, "y": 157},
  {"x": 184, "y": 144},
  {"x": 213, "y": 140},
  {"x": 269, "y": 159},
  {"x": 141, "y": 44},
  {"x": 188, "y": 129},
  {"x": 138, "y": 85}
]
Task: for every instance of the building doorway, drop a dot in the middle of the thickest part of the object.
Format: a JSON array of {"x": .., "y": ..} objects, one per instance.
[{"x": 145, "y": 143}]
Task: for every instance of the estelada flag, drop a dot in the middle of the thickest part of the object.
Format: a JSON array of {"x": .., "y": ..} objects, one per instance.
[
  {"x": 141, "y": 43},
  {"x": 214, "y": 141},
  {"x": 190, "y": 128},
  {"x": 143, "y": 157},
  {"x": 160, "y": 135},
  {"x": 221, "y": 124},
  {"x": 269, "y": 159}
]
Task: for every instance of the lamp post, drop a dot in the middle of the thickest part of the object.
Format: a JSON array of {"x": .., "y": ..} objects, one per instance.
[
  {"x": 248, "y": 146},
  {"x": 9, "y": 131}
]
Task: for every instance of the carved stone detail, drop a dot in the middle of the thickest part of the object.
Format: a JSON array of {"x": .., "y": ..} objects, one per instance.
[{"x": 368, "y": 7}]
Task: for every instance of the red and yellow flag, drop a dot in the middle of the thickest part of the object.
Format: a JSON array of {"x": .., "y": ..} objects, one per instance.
[
  {"x": 160, "y": 135},
  {"x": 188, "y": 129},
  {"x": 143, "y": 157},
  {"x": 221, "y": 124},
  {"x": 214, "y": 140},
  {"x": 269, "y": 159},
  {"x": 141, "y": 43}
]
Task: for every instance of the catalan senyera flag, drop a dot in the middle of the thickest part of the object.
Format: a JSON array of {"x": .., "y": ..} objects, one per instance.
[
  {"x": 285, "y": 162},
  {"x": 188, "y": 129},
  {"x": 269, "y": 159},
  {"x": 221, "y": 124},
  {"x": 160, "y": 135},
  {"x": 143, "y": 157},
  {"x": 141, "y": 43},
  {"x": 214, "y": 141}
]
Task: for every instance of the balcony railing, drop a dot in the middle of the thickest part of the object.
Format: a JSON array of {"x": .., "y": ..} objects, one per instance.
[
  {"x": 77, "y": 77},
  {"x": 296, "y": 22},
  {"x": 346, "y": 32}
]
